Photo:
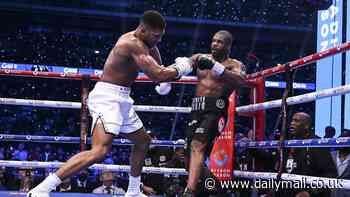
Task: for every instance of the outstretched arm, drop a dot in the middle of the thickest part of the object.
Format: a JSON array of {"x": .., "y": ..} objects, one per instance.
[{"x": 152, "y": 68}]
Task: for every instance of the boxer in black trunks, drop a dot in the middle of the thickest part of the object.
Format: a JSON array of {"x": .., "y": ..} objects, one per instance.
[{"x": 218, "y": 75}]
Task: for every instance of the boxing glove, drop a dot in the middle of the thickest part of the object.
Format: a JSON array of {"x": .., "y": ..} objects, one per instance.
[
  {"x": 205, "y": 62},
  {"x": 163, "y": 88},
  {"x": 183, "y": 66}
]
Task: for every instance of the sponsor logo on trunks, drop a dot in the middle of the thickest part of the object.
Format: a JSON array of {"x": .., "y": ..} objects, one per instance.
[
  {"x": 221, "y": 124},
  {"x": 199, "y": 130},
  {"x": 198, "y": 103},
  {"x": 192, "y": 123},
  {"x": 220, "y": 103}
]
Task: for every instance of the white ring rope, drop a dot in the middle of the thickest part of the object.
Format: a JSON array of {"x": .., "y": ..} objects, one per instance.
[
  {"x": 115, "y": 168},
  {"x": 180, "y": 171},
  {"x": 77, "y": 105},
  {"x": 296, "y": 99},
  {"x": 148, "y": 108}
]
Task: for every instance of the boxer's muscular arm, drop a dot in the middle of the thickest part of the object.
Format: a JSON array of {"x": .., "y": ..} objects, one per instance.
[
  {"x": 154, "y": 52},
  {"x": 148, "y": 64},
  {"x": 153, "y": 70}
]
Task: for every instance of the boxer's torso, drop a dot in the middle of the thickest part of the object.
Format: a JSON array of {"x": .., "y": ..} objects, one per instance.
[
  {"x": 214, "y": 86},
  {"x": 120, "y": 68}
]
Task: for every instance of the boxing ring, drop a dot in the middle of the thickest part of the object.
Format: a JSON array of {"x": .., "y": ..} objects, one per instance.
[{"x": 255, "y": 110}]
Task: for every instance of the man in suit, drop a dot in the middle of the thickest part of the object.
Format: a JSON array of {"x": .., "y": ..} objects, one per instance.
[{"x": 341, "y": 158}]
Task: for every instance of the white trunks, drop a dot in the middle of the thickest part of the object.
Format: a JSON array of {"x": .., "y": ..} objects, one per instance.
[{"x": 112, "y": 105}]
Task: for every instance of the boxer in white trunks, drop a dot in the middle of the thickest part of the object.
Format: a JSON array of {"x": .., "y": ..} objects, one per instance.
[{"x": 111, "y": 106}]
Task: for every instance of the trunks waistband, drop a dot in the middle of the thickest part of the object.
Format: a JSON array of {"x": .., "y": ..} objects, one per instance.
[
  {"x": 203, "y": 103},
  {"x": 113, "y": 88}
]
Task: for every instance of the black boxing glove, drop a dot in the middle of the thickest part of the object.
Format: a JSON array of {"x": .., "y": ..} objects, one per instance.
[{"x": 205, "y": 62}]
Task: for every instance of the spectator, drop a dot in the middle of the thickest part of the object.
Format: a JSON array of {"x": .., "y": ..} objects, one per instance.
[
  {"x": 329, "y": 132},
  {"x": 49, "y": 154},
  {"x": 2, "y": 153},
  {"x": 156, "y": 157},
  {"x": 346, "y": 132},
  {"x": 2, "y": 178},
  {"x": 176, "y": 184},
  {"x": 26, "y": 177},
  {"x": 65, "y": 186},
  {"x": 61, "y": 155},
  {"x": 26, "y": 184},
  {"x": 35, "y": 155},
  {"x": 306, "y": 161},
  {"x": 341, "y": 158},
  {"x": 82, "y": 184},
  {"x": 108, "y": 186},
  {"x": 20, "y": 154}
]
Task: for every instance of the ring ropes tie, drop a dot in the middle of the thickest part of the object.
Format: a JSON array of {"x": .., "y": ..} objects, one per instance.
[{"x": 283, "y": 116}]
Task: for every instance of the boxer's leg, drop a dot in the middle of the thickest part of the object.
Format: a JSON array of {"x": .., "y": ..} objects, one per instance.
[
  {"x": 141, "y": 142},
  {"x": 101, "y": 143},
  {"x": 198, "y": 147}
]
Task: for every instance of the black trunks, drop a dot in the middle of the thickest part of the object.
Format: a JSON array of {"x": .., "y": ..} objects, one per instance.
[{"x": 208, "y": 119}]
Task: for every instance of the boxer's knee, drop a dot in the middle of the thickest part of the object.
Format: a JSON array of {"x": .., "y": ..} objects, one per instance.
[{"x": 98, "y": 153}]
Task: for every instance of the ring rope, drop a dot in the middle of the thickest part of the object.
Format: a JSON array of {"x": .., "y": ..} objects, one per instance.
[
  {"x": 116, "y": 168},
  {"x": 178, "y": 171},
  {"x": 77, "y": 105},
  {"x": 303, "y": 98},
  {"x": 147, "y": 108},
  {"x": 302, "y": 61},
  {"x": 308, "y": 143},
  {"x": 324, "y": 142},
  {"x": 79, "y": 76},
  {"x": 76, "y": 140}
]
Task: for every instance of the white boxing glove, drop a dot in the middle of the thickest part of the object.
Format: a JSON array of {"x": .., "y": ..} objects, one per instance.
[
  {"x": 163, "y": 88},
  {"x": 183, "y": 65}
]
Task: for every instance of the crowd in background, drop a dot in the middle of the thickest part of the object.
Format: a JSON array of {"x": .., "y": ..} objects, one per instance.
[{"x": 295, "y": 13}]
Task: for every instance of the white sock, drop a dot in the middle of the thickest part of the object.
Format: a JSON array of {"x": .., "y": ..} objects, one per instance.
[
  {"x": 49, "y": 184},
  {"x": 134, "y": 184}
]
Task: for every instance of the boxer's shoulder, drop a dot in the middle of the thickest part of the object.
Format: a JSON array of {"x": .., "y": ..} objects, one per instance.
[
  {"x": 131, "y": 45},
  {"x": 234, "y": 64}
]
